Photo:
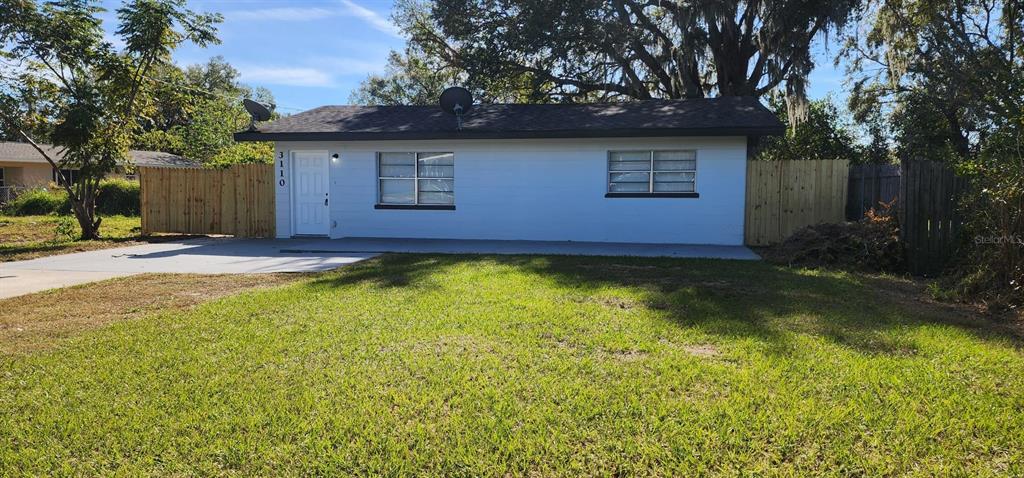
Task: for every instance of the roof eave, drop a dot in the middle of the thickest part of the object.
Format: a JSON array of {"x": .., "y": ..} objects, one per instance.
[{"x": 471, "y": 134}]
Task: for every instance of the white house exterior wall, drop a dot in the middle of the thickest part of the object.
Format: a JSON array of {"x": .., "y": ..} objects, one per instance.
[{"x": 534, "y": 189}]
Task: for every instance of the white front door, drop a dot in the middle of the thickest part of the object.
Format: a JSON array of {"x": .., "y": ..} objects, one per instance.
[{"x": 310, "y": 197}]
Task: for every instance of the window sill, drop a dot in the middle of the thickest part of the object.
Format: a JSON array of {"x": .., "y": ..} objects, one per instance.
[
  {"x": 424, "y": 207},
  {"x": 652, "y": 195}
]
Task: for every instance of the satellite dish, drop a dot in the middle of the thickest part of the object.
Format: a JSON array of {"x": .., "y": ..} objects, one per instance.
[
  {"x": 257, "y": 111},
  {"x": 458, "y": 101}
]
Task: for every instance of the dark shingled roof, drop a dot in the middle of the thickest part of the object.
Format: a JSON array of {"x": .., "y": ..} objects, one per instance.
[
  {"x": 25, "y": 153},
  {"x": 731, "y": 116}
]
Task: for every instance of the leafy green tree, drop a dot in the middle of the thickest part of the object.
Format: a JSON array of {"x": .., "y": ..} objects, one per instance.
[
  {"x": 418, "y": 74},
  {"x": 209, "y": 130},
  {"x": 593, "y": 50},
  {"x": 823, "y": 134},
  {"x": 410, "y": 79},
  {"x": 101, "y": 90},
  {"x": 945, "y": 73},
  {"x": 36, "y": 101},
  {"x": 948, "y": 77},
  {"x": 243, "y": 153},
  {"x": 196, "y": 110}
]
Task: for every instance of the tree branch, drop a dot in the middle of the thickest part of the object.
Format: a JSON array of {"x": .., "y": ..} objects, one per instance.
[
  {"x": 645, "y": 56},
  {"x": 64, "y": 180}
]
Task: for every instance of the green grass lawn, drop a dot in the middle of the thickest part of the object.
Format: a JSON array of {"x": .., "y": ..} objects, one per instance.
[
  {"x": 27, "y": 237},
  {"x": 539, "y": 366}
]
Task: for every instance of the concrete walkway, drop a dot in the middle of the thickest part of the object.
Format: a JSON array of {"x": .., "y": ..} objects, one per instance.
[
  {"x": 195, "y": 256},
  {"x": 254, "y": 256}
]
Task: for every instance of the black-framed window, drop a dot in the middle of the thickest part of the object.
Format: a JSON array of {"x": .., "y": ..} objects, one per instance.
[
  {"x": 65, "y": 174},
  {"x": 652, "y": 172},
  {"x": 416, "y": 179},
  {"x": 3, "y": 179}
]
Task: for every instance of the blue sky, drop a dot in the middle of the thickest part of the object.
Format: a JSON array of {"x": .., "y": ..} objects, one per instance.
[{"x": 315, "y": 52}]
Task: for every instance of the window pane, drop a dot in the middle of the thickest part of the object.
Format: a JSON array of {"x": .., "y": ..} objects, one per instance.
[
  {"x": 397, "y": 191},
  {"x": 437, "y": 171},
  {"x": 437, "y": 197},
  {"x": 436, "y": 185},
  {"x": 437, "y": 165},
  {"x": 616, "y": 156},
  {"x": 389, "y": 171},
  {"x": 674, "y": 155},
  {"x": 629, "y": 187},
  {"x": 438, "y": 159},
  {"x": 675, "y": 165},
  {"x": 392, "y": 159},
  {"x": 673, "y": 177},
  {"x": 630, "y": 177},
  {"x": 681, "y": 187},
  {"x": 630, "y": 165}
]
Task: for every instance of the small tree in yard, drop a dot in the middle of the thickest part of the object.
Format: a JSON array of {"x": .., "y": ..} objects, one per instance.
[{"x": 101, "y": 92}]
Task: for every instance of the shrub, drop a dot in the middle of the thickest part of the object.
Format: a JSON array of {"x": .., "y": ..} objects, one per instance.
[
  {"x": 38, "y": 202},
  {"x": 118, "y": 197},
  {"x": 65, "y": 229},
  {"x": 991, "y": 268},
  {"x": 243, "y": 153}
]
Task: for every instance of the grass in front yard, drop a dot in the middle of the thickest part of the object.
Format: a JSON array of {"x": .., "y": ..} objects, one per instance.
[
  {"x": 543, "y": 366},
  {"x": 28, "y": 237},
  {"x": 39, "y": 321}
]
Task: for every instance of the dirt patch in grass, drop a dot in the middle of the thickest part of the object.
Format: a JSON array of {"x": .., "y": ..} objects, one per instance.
[
  {"x": 702, "y": 350},
  {"x": 37, "y": 321},
  {"x": 613, "y": 302},
  {"x": 626, "y": 355}
]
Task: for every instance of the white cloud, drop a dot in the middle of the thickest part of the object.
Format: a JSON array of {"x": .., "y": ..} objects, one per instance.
[
  {"x": 290, "y": 76},
  {"x": 372, "y": 18},
  {"x": 305, "y": 14}
]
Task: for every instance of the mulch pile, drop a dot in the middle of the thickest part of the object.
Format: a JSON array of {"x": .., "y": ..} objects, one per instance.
[{"x": 871, "y": 244}]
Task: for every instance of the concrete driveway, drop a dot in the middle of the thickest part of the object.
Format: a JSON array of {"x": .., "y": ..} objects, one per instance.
[
  {"x": 254, "y": 256},
  {"x": 195, "y": 256}
]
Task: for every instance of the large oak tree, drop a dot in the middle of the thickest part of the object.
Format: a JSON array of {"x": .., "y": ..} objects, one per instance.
[{"x": 607, "y": 50}]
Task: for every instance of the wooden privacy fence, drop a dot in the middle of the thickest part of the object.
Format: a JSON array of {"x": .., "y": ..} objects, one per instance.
[
  {"x": 930, "y": 224},
  {"x": 784, "y": 196},
  {"x": 870, "y": 185},
  {"x": 235, "y": 201}
]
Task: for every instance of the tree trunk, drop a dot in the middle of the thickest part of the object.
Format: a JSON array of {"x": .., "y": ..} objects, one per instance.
[{"x": 83, "y": 205}]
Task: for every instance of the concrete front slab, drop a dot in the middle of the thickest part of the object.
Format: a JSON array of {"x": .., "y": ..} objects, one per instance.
[
  {"x": 194, "y": 256},
  {"x": 354, "y": 245},
  {"x": 15, "y": 282},
  {"x": 254, "y": 256}
]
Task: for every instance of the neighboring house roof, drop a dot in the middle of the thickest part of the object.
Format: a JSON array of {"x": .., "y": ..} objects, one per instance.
[
  {"x": 25, "y": 153},
  {"x": 727, "y": 116},
  {"x": 160, "y": 159}
]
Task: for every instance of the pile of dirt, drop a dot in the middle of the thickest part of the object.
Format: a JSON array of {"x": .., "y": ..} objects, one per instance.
[{"x": 871, "y": 244}]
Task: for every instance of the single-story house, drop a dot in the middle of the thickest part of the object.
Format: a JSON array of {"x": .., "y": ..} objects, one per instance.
[
  {"x": 22, "y": 166},
  {"x": 659, "y": 171}
]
